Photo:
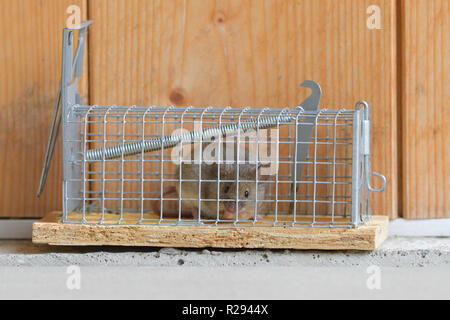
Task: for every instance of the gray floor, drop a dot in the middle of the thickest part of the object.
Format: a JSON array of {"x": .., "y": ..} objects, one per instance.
[
  {"x": 395, "y": 252},
  {"x": 414, "y": 263},
  {"x": 224, "y": 283},
  {"x": 404, "y": 267}
]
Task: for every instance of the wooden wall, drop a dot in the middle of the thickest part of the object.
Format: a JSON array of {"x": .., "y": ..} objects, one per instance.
[
  {"x": 425, "y": 70},
  {"x": 250, "y": 53},
  {"x": 30, "y": 63},
  {"x": 221, "y": 52}
]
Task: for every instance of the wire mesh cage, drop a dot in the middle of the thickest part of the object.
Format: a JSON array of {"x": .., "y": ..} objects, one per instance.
[{"x": 211, "y": 166}]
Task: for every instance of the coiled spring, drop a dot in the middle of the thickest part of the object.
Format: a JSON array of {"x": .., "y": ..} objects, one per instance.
[{"x": 170, "y": 141}]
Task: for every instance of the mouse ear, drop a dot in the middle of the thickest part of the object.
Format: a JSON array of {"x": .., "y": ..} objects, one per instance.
[
  {"x": 212, "y": 169},
  {"x": 213, "y": 165},
  {"x": 226, "y": 168},
  {"x": 260, "y": 170}
]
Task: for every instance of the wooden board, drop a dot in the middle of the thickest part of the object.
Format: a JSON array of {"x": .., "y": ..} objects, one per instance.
[
  {"x": 251, "y": 53},
  {"x": 152, "y": 217},
  {"x": 30, "y": 63},
  {"x": 425, "y": 74},
  {"x": 50, "y": 230}
]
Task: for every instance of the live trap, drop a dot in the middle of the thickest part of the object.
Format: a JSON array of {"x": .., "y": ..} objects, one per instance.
[{"x": 208, "y": 176}]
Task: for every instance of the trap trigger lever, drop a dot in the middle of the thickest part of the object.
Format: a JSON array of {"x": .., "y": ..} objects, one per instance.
[{"x": 76, "y": 68}]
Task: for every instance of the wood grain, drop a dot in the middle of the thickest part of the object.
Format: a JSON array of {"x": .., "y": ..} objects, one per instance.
[
  {"x": 425, "y": 95},
  {"x": 30, "y": 59},
  {"x": 251, "y": 53},
  {"x": 369, "y": 237}
]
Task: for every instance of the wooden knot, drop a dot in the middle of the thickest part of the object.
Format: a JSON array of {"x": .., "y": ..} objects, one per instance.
[
  {"x": 219, "y": 18},
  {"x": 178, "y": 96}
]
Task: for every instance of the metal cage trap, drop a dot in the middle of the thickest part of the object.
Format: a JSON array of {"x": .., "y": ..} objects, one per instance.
[{"x": 209, "y": 166}]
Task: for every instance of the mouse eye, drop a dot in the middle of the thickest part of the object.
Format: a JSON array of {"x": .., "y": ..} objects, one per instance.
[
  {"x": 246, "y": 193},
  {"x": 226, "y": 189}
]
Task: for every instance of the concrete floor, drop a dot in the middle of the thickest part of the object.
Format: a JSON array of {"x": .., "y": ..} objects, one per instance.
[
  {"x": 395, "y": 252},
  {"x": 404, "y": 267},
  {"x": 414, "y": 263}
]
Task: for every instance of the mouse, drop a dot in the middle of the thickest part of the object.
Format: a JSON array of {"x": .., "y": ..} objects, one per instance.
[
  {"x": 219, "y": 198},
  {"x": 216, "y": 204}
]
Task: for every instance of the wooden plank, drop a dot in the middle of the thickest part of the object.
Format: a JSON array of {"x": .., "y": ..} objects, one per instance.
[
  {"x": 30, "y": 59},
  {"x": 50, "y": 230},
  {"x": 251, "y": 53},
  {"x": 151, "y": 217},
  {"x": 425, "y": 59}
]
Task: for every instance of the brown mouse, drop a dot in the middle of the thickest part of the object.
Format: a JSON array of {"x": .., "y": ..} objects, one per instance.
[{"x": 226, "y": 207}]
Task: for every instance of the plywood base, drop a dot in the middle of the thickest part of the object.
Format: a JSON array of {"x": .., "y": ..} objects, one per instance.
[{"x": 50, "y": 230}]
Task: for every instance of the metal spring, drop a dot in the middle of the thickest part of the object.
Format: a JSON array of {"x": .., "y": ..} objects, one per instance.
[{"x": 169, "y": 141}]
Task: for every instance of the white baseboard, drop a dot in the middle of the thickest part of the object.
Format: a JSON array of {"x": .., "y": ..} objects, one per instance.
[
  {"x": 420, "y": 228},
  {"x": 16, "y": 228}
]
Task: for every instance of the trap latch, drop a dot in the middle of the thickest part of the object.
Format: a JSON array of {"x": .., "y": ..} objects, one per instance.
[{"x": 366, "y": 148}]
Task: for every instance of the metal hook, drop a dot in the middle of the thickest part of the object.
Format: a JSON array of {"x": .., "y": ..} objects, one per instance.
[
  {"x": 312, "y": 102},
  {"x": 366, "y": 148},
  {"x": 382, "y": 177}
]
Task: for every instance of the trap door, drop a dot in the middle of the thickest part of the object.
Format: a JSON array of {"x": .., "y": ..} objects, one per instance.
[{"x": 303, "y": 132}]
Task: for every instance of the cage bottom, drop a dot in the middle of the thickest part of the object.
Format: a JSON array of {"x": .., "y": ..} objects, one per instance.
[{"x": 151, "y": 218}]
